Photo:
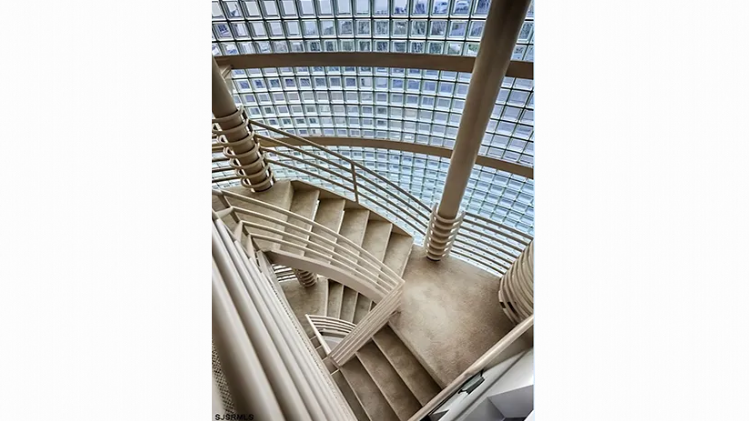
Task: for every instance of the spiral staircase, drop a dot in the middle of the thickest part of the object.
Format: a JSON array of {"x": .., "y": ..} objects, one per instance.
[
  {"x": 339, "y": 294},
  {"x": 385, "y": 380}
]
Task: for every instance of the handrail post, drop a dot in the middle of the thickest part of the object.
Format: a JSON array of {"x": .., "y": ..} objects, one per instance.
[
  {"x": 500, "y": 35},
  {"x": 353, "y": 178},
  {"x": 239, "y": 142}
]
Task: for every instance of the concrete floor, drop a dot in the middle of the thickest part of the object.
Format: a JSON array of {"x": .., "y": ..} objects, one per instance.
[{"x": 450, "y": 314}]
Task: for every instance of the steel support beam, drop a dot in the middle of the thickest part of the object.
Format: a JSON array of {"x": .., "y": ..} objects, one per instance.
[
  {"x": 519, "y": 69},
  {"x": 500, "y": 35}
]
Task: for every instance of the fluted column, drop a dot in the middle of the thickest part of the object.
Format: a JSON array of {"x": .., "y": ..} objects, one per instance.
[
  {"x": 516, "y": 287},
  {"x": 500, "y": 35},
  {"x": 241, "y": 149},
  {"x": 307, "y": 279}
]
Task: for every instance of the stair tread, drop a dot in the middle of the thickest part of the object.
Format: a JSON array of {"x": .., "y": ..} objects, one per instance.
[
  {"x": 363, "y": 305},
  {"x": 335, "y": 297},
  {"x": 418, "y": 380},
  {"x": 398, "y": 251},
  {"x": 392, "y": 386},
  {"x": 279, "y": 195},
  {"x": 364, "y": 387},
  {"x": 350, "y": 396},
  {"x": 330, "y": 215},
  {"x": 376, "y": 238},
  {"x": 320, "y": 351},
  {"x": 303, "y": 203},
  {"x": 348, "y": 304},
  {"x": 329, "y": 365},
  {"x": 354, "y": 225}
]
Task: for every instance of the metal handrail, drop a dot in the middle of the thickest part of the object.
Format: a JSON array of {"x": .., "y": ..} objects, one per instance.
[
  {"x": 477, "y": 239},
  {"x": 340, "y": 239},
  {"x": 417, "y": 211}
]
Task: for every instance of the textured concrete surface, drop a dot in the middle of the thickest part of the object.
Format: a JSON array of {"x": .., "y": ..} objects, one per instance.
[
  {"x": 408, "y": 367},
  {"x": 350, "y": 396},
  {"x": 348, "y": 304},
  {"x": 330, "y": 215},
  {"x": 303, "y": 203},
  {"x": 335, "y": 297},
  {"x": 376, "y": 238},
  {"x": 397, "y": 394},
  {"x": 398, "y": 250},
  {"x": 362, "y": 308},
  {"x": 279, "y": 195},
  {"x": 373, "y": 401},
  {"x": 309, "y": 300},
  {"x": 450, "y": 315}
]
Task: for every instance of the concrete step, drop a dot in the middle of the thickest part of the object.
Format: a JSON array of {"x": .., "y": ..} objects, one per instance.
[
  {"x": 348, "y": 304},
  {"x": 335, "y": 298},
  {"x": 304, "y": 203},
  {"x": 366, "y": 390},
  {"x": 353, "y": 227},
  {"x": 363, "y": 305},
  {"x": 350, "y": 397},
  {"x": 330, "y": 215},
  {"x": 418, "y": 380},
  {"x": 376, "y": 238},
  {"x": 280, "y": 195},
  {"x": 398, "y": 251},
  {"x": 329, "y": 365},
  {"x": 320, "y": 352},
  {"x": 398, "y": 395}
]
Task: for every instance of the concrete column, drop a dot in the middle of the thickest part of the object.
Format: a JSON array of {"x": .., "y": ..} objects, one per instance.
[
  {"x": 307, "y": 279},
  {"x": 516, "y": 287},
  {"x": 243, "y": 151},
  {"x": 500, "y": 35}
]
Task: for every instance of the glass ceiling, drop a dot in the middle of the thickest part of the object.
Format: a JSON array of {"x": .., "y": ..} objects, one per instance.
[
  {"x": 406, "y": 105},
  {"x": 497, "y": 195},
  {"x": 452, "y": 27}
]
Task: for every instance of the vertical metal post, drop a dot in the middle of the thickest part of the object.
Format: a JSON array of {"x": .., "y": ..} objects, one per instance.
[
  {"x": 500, "y": 35},
  {"x": 240, "y": 146},
  {"x": 356, "y": 185}
]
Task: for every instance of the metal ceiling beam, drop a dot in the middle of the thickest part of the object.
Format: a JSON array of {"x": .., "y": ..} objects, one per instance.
[
  {"x": 485, "y": 161},
  {"x": 519, "y": 69}
]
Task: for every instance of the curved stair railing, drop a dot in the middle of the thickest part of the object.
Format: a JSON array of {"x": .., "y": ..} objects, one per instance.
[
  {"x": 344, "y": 175},
  {"x": 351, "y": 266},
  {"x": 477, "y": 239},
  {"x": 329, "y": 326},
  {"x": 488, "y": 244},
  {"x": 261, "y": 345}
]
